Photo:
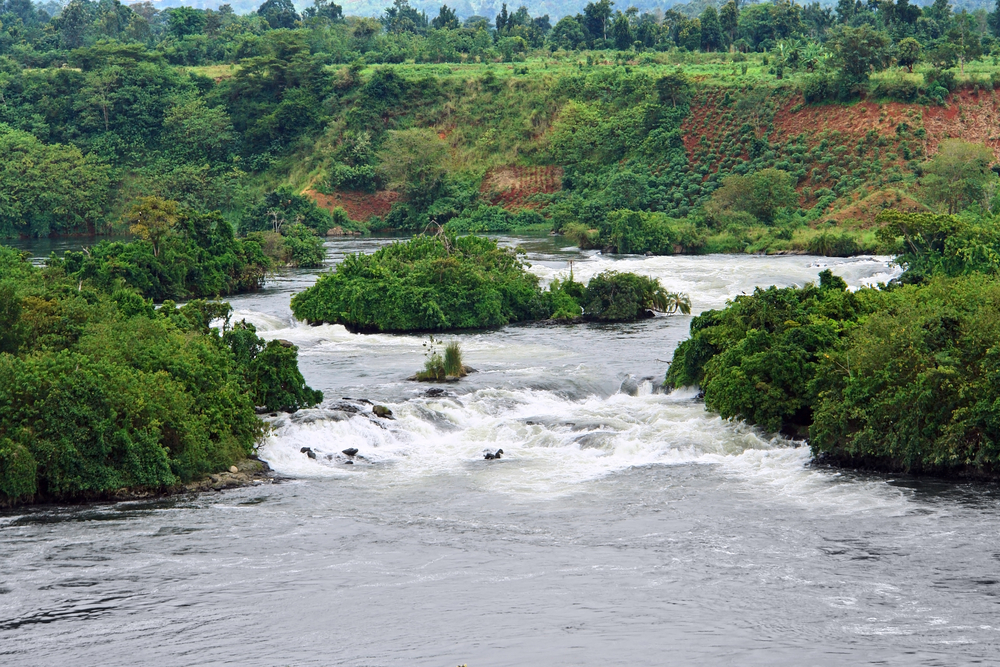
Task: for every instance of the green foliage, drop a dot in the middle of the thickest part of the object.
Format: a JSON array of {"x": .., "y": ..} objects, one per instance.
[
  {"x": 619, "y": 297},
  {"x": 913, "y": 387},
  {"x": 639, "y": 231},
  {"x": 760, "y": 195},
  {"x": 755, "y": 360},
  {"x": 439, "y": 367},
  {"x": 48, "y": 188},
  {"x": 103, "y": 393},
  {"x": 959, "y": 174},
  {"x": 270, "y": 370},
  {"x": 282, "y": 207},
  {"x": 428, "y": 283},
  {"x": 941, "y": 244},
  {"x": 492, "y": 219},
  {"x": 197, "y": 255}
]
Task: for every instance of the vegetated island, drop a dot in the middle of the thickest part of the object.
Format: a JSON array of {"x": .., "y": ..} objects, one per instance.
[
  {"x": 901, "y": 377},
  {"x": 102, "y": 394},
  {"x": 447, "y": 282}
]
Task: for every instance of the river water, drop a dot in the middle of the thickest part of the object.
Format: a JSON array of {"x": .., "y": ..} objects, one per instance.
[{"x": 615, "y": 530}]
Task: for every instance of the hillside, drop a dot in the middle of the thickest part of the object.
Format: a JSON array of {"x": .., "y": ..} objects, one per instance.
[{"x": 771, "y": 127}]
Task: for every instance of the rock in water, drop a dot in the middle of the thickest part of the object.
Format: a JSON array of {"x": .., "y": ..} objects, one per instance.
[
  {"x": 350, "y": 451},
  {"x": 308, "y": 452},
  {"x": 629, "y": 386},
  {"x": 382, "y": 411},
  {"x": 233, "y": 469}
]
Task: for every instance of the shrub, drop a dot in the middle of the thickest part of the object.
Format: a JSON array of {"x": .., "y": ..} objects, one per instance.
[
  {"x": 618, "y": 297},
  {"x": 428, "y": 283}
]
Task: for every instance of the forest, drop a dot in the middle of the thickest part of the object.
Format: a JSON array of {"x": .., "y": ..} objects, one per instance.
[{"x": 770, "y": 127}]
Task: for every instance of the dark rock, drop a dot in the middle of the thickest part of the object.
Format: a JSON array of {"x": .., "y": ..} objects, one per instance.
[
  {"x": 308, "y": 452},
  {"x": 629, "y": 386},
  {"x": 350, "y": 451},
  {"x": 435, "y": 392},
  {"x": 358, "y": 400},
  {"x": 284, "y": 343},
  {"x": 348, "y": 463},
  {"x": 489, "y": 456},
  {"x": 382, "y": 411}
]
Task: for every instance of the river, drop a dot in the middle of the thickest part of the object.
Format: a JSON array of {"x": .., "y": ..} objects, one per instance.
[{"x": 615, "y": 530}]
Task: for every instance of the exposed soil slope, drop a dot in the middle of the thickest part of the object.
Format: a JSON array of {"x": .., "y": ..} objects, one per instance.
[
  {"x": 358, "y": 205},
  {"x": 512, "y": 187}
]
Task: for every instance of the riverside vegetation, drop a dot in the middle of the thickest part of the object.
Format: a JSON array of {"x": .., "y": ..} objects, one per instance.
[
  {"x": 446, "y": 282},
  {"x": 101, "y": 392},
  {"x": 900, "y": 377}
]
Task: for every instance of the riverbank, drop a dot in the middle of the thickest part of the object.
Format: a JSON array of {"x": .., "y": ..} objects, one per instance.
[{"x": 247, "y": 472}]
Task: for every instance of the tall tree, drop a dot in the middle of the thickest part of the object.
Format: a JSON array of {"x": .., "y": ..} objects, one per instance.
[
  {"x": 711, "y": 30},
  {"x": 278, "y": 13},
  {"x": 729, "y": 17},
  {"x": 446, "y": 19},
  {"x": 596, "y": 16}
]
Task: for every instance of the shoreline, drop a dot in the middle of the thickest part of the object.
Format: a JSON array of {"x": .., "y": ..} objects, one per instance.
[{"x": 249, "y": 472}]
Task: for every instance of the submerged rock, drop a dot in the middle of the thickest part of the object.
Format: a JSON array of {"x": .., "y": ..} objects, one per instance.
[
  {"x": 629, "y": 386},
  {"x": 382, "y": 411},
  {"x": 489, "y": 456}
]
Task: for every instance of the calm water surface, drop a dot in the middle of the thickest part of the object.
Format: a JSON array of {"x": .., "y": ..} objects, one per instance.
[{"x": 616, "y": 530}]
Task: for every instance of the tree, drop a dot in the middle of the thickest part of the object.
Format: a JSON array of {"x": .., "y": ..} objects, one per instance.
[
  {"x": 414, "y": 162},
  {"x": 47, "y": 188},
  {"x": 908, "y": 53},
  {"x": 446, "y": 19},
  {"x": 595, "y": 19},
  {"x": 672, "y": 87},
  {"x": 401, "y": 17},
  {"x": 729, "y": 19},
  {"x": 711, "y": 30},
  {"x": 761, "y": 195},
  {"x": 567, "y": 34},
  {"x": 859, "y": 51},
  {"x": 621, "y": 30},
  {"x": 959, "y": 175},
  {"x": 184, "y": 21},
  {"x": 964, "y": 37},
  {"x": 322, "y": 9},
  {"x": 278, "y": 13},
  {"x": 152, "y": 219}
]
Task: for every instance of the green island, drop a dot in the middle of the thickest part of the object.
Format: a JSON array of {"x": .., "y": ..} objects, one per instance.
[
  {"x": 231, "y": 145},
  {"x": 897, "y": 378},
  {"x": 444, "y": 283}
]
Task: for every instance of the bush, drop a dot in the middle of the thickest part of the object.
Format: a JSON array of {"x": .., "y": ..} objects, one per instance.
[
  {"x": 755, "y": 360},
  {"x": 428, "y": 283},
  {"x": 620, "y": 297},
  {"x": 100, "y": 392}
]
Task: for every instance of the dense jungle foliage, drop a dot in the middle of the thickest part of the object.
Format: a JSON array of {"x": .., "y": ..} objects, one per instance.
[
  {"x": 100, "y": 391},
  {"x": 900, "y": 377},
  {"x": 419, "y": 120},
  {"x": 447, "y": 282}
]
